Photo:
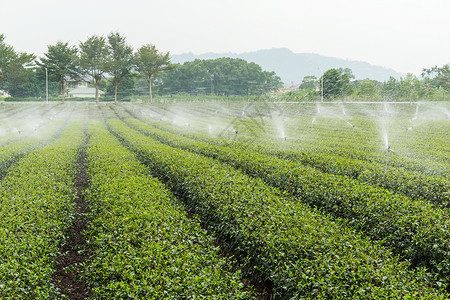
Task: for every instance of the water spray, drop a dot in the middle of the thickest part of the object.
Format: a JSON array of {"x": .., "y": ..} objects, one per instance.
[
  {"x": 343, "y": 110},
  {"x": 386, "y": 109},
  {"x": 415, "y": 114},
  {"x": 353, "y": 126}
]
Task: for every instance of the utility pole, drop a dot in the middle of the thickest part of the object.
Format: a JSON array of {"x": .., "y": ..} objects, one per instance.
[
  {"x": 212, "y": 87},
  {"x": 321, "y": 96},
  {"x": 321, "y": 85},
  {"x": 46, "y": 85}
]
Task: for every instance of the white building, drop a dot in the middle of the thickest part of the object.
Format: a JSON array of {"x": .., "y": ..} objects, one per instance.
[
  {"x": 4, "y": 94},
  {"x": 81, "y": 89}
]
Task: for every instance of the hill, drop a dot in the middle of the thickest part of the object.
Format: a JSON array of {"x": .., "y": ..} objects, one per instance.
[{"x": 292, "y": 67}]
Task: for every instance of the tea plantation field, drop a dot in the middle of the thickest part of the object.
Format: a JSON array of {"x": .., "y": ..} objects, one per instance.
[{"x": 215, "y": 200}]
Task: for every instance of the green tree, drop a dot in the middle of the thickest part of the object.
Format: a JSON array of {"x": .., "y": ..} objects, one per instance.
[
  {"x": 440, "y": 76},
  {"x": 150, "y": 62},
  {"x": 390, "y": 89},
  {"x": 408, "y": 87},
  {"x": 31, "y": 86},
  {"x": 367, "y": 88},
  {"x": 61, "y": 62},
  {"x": 13, "y": 64},
  {"x": 127, "y": 86},
  {"x": 346, "y": 75},
  {"x": 94, "y": 59},
  {"x": 309, "y": 82},
  {"x": 336, "y": 83},
  {"x": 428, "y": 89},
  {"x": 331, "y": 84},
  {"x": 121, "y": 59},
  {"x": 222, "y": 76}
]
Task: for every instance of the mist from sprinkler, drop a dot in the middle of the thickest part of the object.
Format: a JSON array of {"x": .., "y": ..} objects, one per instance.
[
  {"x": 209, "y": 130},
  {"x": 343, "y": 109},
  {"x": 384, "y": 121},
  {"x": 386, "y": 108},
  {"x": 312, "y": 122},
  {"x": 447, "y": 113},
  {"x": 416, "y": 112},
  {"x": 318, "y": 109},
  {"x": 278, "y": 121}
]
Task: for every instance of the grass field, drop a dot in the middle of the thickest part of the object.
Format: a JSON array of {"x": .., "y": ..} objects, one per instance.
[{"x": 216, "y": 200}]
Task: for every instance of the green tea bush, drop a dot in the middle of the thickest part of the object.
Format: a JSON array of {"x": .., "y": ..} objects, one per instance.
[
  {"x": 12, "y": 151},
  {"x": 414, "y": 229},
  {"x": 303, "y": 253},
  {"x": 37, "y": 204},
  {"x": 142, "y": 243},
  {"x": 416, "y": 185}
]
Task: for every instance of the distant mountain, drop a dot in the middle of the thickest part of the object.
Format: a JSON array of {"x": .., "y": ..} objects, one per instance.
[{"x": 292, "y": 67}]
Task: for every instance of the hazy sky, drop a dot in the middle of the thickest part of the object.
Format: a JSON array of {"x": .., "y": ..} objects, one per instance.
[{"x": 406, "y": 35}]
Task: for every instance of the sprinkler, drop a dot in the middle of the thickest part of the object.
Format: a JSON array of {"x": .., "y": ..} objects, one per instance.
[
  {"x": 236, "y": 134},
  {"x": 387, "y": 160},
  {"x": 352, "y": 126},
  {"x": 285, "y": 142},
  {"x": 407, "y": 129}
]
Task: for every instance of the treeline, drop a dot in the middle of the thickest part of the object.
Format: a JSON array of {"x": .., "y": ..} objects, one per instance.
[
  {"x": 113, "y": 66},
  {"x": 110, "y": 64},
  {"x": 221, "y": 76},
  {"x": 339, "y": 84},
  {"x": 24, "y": 75}
]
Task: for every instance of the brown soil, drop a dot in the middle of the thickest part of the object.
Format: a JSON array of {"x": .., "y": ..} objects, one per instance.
[{"x": 73, "y": 253}]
